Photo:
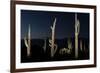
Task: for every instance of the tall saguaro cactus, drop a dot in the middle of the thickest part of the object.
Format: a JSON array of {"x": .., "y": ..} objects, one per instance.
[
  {"x": 27, "y": 41},
  {"x": 77, "y": 29},
  {"x": 52, "y": 40}
]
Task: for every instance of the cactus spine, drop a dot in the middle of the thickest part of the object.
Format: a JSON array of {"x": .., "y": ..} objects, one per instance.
[
  {"x": 28, "y": 41},
  {"x": 77, "y": 29},
  {"x": 52, "y": 44}
]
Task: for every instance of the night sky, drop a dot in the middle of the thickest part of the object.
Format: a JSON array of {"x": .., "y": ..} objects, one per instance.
[{"x": 41, "y": 21}]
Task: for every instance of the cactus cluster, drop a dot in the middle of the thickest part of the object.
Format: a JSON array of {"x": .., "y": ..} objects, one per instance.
[
  {"x": 52, "y": 45},
  {"x": 66, "y": 50}
]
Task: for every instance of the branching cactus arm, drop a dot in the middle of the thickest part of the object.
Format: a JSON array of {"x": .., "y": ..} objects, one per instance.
[
  {"x": 54, "y": 24},
  {"x": 78, "y": 23},
  {"x": 25, "y": 41},
  {"x": 77, "y": 27}
]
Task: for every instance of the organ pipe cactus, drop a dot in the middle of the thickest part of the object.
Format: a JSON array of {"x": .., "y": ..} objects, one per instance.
[
  {"x": 77, "y": 29},
  {"x": 53, "y": 46},
  {"x": 28, "y": 41}
]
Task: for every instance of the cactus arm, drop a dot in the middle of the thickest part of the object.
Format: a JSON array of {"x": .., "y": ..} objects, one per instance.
[
  {"x": 25, "y": 41},
  {"x": 51, "y": 27},
  {"x": 55, "y": 48},
  {"x": 69, "y": 44},
  {"x": 54, "y": 24},
  {"x": 78, "y": 26},
  {"x": 50, "y": 45},
  {"x": 50, "y": 41}
]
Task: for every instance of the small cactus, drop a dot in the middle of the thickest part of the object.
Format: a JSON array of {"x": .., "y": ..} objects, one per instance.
[
  {"x": 28, "y": 42},
  {"x": 69, "y": 44},
  {"x": 65, "y": 51},
  {"x": 44, "y": 46}
]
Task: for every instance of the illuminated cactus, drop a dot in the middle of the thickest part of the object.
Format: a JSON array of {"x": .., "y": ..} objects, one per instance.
[
  {"x": 66, "y": 50},
  {"x": 52, "y": 44},
  {"x": 77, "y": 29},
  {"x": 81, "y": 45},
  {"x": 69, "y": 44},
  {"x": 28, "y": 42},
  {"x": 44, "y": 47}
]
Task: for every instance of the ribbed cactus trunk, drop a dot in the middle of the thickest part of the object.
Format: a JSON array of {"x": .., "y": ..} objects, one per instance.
[
  {"x": 52, "y": 41},
  {"x": 77, "y": 28},
  {"x": 28, "y": 42},
  {"x": 76, "y": 46}
]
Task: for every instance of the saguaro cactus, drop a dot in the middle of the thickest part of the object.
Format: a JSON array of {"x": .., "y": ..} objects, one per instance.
[
  {"x": 77, "y": 29},
  {"x": 28, "y": 41},
  {"x": 44, "y": 46},
  {"x": 52, "y": 40},
  {"x": 69, "y": 44},
  {"x": 81, "y": 45}
]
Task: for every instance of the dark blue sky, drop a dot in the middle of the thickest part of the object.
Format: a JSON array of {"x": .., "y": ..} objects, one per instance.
[{"x": 40, "y": 22}]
